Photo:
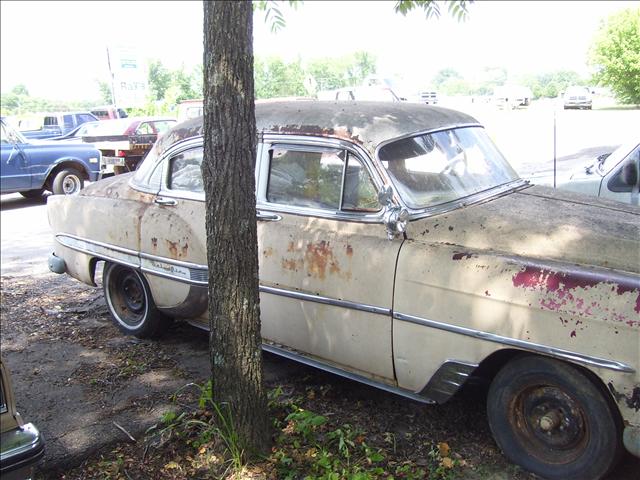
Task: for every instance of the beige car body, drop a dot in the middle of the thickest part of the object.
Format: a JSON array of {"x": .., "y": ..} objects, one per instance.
[{"x": 464, "y": 288}]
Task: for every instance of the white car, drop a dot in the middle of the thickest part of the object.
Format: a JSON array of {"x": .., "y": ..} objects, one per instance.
[{"x": 613, "y": 176}]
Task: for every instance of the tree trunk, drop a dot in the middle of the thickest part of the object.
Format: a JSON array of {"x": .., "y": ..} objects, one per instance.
[{"x": 232, "y": 251}]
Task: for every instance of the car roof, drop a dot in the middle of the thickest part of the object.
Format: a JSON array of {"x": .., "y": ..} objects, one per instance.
[{"x": 366, "y": 123}]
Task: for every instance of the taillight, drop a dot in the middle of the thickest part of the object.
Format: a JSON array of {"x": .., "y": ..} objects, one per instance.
[{"x": 120, "y": 153}]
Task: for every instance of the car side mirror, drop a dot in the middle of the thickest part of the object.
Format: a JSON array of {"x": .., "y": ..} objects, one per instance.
[{"x": 394, "y": 217}]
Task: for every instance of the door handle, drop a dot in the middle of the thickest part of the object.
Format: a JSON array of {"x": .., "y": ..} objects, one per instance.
[
  {"x": 165, "y": 201},
  {"x": 268, "y": 217}
]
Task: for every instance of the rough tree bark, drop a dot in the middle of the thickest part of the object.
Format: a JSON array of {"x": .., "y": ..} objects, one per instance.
[{"x": 232, "y": 257}]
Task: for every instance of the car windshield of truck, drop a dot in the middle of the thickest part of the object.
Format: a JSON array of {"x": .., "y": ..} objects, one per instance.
[{"x": 445, "y": 166}]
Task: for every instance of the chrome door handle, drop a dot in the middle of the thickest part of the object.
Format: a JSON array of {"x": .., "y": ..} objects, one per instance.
[
  {"x": 165, "y": 201},
  {"x": 268, "y": 217}
]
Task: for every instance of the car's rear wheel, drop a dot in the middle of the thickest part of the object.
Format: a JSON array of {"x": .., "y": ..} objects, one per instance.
[
  {"x": 130, "y": 302},
  {"x": 68, "y": 181},
  {"x": 33, "y": 193},
  {"x": 553, "y": 420}
]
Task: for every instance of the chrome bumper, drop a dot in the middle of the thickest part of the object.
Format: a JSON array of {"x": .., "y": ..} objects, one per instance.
[{"x": 22, "y": 448}]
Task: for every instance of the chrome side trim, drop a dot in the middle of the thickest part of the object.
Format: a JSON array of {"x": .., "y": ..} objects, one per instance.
[
  {"x": 325, "y": 300},
  {"x": 447, "y": 380},
  {"x": 343, "y": 373},
  {"x": 105, "y": 251},
  {"x": 529, "y": 346}
]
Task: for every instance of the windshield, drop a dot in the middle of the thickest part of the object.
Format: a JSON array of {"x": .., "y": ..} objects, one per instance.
[{"x": 445, "y": 166}]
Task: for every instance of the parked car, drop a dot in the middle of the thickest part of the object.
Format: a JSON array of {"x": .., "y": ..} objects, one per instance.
[
  {"x": 577, "y": 97},
  {"x": 56, "y": 124},
  {"x": 398, "y": 248},
  {"x": 188, "y": 109},
  {"x": 21, "y": 444},
  {"x": 77, "y": 133},
  {"x": 373, "y": 93},
  {"x": 124, "y": 142},
  {"x": 614, "y": 175},
  {"x": 108, "y": 112},
  {"x": 31, "y": 167}
]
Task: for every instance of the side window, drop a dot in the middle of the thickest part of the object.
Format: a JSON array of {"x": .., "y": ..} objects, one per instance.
[
  {"x": 144, "y": 129},
  {"x": 184, "y": 171},
  {"x": 306, "y": 179},
  {"x": 86, "y": 118},
  {"x": 68, "y": 121},
  {"x": 317, "y": 179},
  {"x": 627, "y": 174},
  {"x": 360, "y": 193}
]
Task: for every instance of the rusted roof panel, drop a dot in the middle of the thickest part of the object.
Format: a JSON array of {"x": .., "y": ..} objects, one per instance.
[{"x": 365, "y": 123}]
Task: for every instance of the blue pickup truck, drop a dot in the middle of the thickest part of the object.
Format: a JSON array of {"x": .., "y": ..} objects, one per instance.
[
  {"x": 33, "y": 166},
  {"x": 56, "y": 124}
]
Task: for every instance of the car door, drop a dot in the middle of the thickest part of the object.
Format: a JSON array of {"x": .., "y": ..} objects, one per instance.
[
  {"x": 14, "y": 169},
  {"x": 173, "y": 251},
  {"x": 326, "y": 265}
]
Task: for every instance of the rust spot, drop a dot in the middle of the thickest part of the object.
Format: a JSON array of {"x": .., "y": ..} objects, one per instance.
[
  {"x": 292, "y": 265},
  {"x": 184, "y": 250},
  {"x": 573, "y": 333},
  {"x": 486, "y": 293},
  {"x": 267, "y": 252},
  {"x": 462, "y": 255},
  {"x": 632, "y": 401},
  {"x": 173, "y": 248},
  {"x": 450, "y": 228},
  {"x": 291, "y": 247},
  {"x": 154, "y": 243},
  {"x": 349, "y": 250},
  {"x": 317, "y": 257}
]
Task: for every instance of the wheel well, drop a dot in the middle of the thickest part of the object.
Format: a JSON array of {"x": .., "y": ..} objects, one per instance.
[
  {"x": 491, "y": 365},
  {"x": 63, "y": 165}
]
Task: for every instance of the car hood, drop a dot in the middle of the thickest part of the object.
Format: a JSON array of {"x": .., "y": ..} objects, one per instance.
[{"x": 542, "y": 223}]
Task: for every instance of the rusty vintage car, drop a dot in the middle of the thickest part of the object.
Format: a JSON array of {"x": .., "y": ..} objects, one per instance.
[{"x": 398, "y": 248}]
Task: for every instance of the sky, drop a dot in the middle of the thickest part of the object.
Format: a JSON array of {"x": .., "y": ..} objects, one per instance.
[{"x": 58, "y": 49}]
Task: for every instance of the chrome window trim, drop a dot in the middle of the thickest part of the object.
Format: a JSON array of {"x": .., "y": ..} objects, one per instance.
[
  {"x": 530, "y": 346},
  {"x": 325, "y": 300},
  {"x": 165, "y": 191},
  {"x": 343, "y": 373},
  {"x": 299, "y": 143}
]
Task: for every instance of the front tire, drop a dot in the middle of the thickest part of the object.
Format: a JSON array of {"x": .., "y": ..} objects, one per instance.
[
  {"x": 67, "y": 182},
  {"x": 550, "y": 418},
  {"x": 130, "y": 303}
]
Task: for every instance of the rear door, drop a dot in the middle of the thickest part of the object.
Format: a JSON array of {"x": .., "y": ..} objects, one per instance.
[{"x": 173, "y": 247}]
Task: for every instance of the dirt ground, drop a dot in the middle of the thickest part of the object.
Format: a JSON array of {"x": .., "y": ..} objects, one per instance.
[{"x": 89, "y": 388}]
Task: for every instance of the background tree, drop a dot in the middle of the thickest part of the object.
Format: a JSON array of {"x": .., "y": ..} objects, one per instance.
[
  {"x": 615, "y": 53},
  {"x": 159, "y": 78},
  {"x": 232, "y": 255}
]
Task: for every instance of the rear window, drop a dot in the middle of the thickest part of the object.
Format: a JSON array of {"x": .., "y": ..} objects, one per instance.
[{"x": 50, "y": 121}]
